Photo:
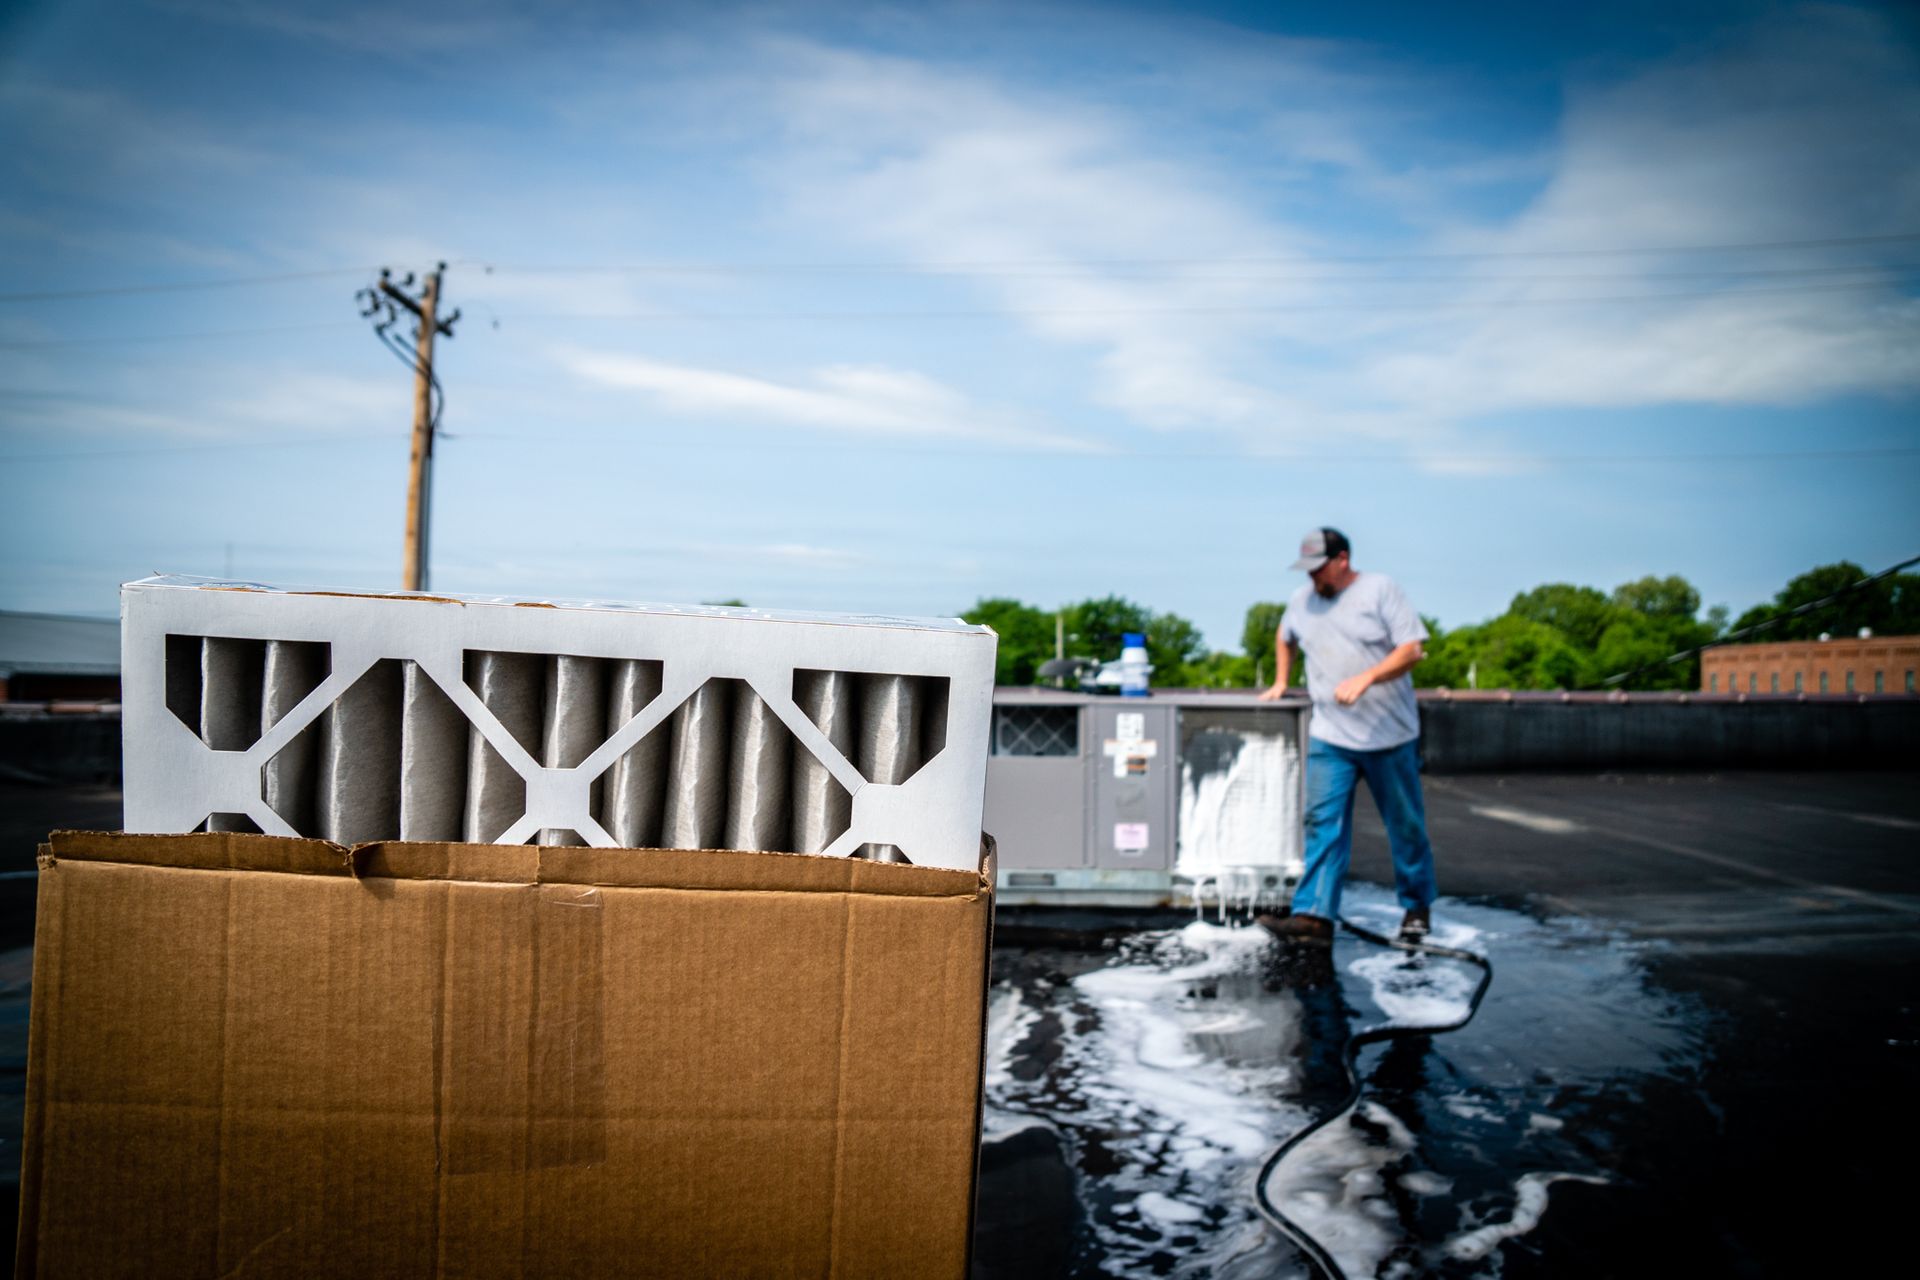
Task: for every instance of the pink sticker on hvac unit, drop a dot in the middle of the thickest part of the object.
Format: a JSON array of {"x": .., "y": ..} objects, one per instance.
[{"x": 1130, "y": 837}]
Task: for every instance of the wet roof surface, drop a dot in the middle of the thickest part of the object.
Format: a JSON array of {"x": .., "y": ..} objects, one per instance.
[{"x": 1697, "y": 1056}]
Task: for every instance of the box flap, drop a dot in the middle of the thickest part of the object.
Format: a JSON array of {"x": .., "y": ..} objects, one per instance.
[{"x": 719, "y": 870}]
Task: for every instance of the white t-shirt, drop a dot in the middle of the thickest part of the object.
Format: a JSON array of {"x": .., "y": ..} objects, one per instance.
[{"x": 1345, "y": 636}]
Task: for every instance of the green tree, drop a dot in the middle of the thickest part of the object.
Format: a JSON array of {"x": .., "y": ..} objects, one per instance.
[
  {"x": 1176, "y": 648},
  {"x": 1669, "y": 597},
  {"x": 1635, "y": 641},
  {"x": 1026, "y": 637},
  {"x": 1654, "y": 619},
  {"x": 1262, "y": 624},
  {"x": 1096, "y": 628},
  {"x": 1890, "y": 606},
  {"x": 1509, "y": 652},
  {"x": 1221, "y": 670},
  {"x": 1579, "y": 613}
]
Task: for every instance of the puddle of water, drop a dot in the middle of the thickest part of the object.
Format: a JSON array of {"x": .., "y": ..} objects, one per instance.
[{"x": 1166, "y": 1065}]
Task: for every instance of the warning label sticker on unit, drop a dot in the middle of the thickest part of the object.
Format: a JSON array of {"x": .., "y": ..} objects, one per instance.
[
  {"x": 1130, "y": 726},
  {"x": 1130, "y": 837},
  {"x": 1130, "y": 756}
]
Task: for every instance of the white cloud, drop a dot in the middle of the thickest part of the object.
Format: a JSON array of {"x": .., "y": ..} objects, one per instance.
[
  {"x": 853, "y": 399},
  {"x": 220, "y": 404},
  {"x": 800, "y": 553},
  {"x": 951, "y": 169},
  {"x": 1797, "y": 128}
]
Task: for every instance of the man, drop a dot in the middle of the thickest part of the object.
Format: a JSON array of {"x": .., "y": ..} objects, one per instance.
[{"x": 1360, "y": 638}]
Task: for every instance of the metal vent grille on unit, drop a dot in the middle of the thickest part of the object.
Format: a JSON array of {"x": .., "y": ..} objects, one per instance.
[{"x": 1036, "y": 731}]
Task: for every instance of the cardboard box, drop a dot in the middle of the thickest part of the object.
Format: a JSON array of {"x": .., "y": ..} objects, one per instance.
[
  {"x": 415, "y": 717},
  {"x": 259, "y": 1056}
]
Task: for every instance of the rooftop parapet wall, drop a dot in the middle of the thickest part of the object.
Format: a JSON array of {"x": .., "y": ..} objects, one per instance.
[
  {"x": 1496, "y": 731},
  {"x": 1464, "y": 731}
]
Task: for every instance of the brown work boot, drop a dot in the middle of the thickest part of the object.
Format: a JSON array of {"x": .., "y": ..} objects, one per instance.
[
  {"x": 1416, "y": 925},
  {"x": 1299, "y": 928}
]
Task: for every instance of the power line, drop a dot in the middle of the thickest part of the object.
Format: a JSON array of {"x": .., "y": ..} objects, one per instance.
[
  {"x": 1148, "y": 272},
  {"x": 962, "y": 313},
  {"x": 237, "y": 282},
  {"x": 221, "y": 446},
  {"x": 1759, "y": 246},
  {"x": 965, "y": 313},
  {"x": 182, "y": 286},
  {"x": 200, "y": 336},
  {"x": 1090, "y": 455}
]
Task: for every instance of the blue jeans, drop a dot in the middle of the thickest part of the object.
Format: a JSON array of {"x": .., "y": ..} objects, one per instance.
[{"x": 1393, "y": 776}]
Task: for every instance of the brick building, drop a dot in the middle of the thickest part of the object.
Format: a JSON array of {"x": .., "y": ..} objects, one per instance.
[{"x": 1873, "y": 664}]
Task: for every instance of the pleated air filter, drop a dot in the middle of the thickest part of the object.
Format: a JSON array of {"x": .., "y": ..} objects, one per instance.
[{"x": 356, "y": 717}]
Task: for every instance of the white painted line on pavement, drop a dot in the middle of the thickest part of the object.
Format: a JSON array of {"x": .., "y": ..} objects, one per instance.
[
  {"x": 1544, "y": 823},
  {"x": 1871, "y": 819}
]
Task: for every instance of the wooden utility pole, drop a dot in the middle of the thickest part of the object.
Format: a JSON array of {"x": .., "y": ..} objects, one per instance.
[
  {"x": 385, "y": 301},
  {"x": 420, "y": 459}
]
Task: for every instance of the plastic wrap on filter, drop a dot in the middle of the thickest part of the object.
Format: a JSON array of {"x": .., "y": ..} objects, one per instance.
[
  {"x": 292, "y": 670},
  {"x": 512, "y": 687},
  {"x": 575, "y": 719},
  {"x": 633, "y": 790},
  {"x": 696, "y": 804},
  {"x": 358, "y": 793},
  {"x": 433, "y": 759},
  {"x": 889, "y": 741},
  {"x": 230, "y": 672},
  {"x": 757, "y": 776},
  {"x": 822, "y": 808}
]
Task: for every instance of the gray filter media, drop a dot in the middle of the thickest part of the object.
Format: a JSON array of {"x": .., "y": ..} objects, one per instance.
[
  {"x": 695, "y": 815},
  {"x": 433, "y": 746},
  {"x": 293, "y": 669},
  {"x": 631, "y": 797},
  {"x": 575, "y": 720},
  {"x": 394, "y": 756},
  {"x": 757, "y": 778},
  {"x": 230, "y": 677},
  {"x": 230, "y": 691},
  {"x": 822, "y": 808},
  {"x": 896, "y": 713},
  {"x": 358, "y": 794},
  {"x": 513, "y": 687}
]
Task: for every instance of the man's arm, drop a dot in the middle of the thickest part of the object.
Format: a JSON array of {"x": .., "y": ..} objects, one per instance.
[
  {"x": 1282, "y": 665},
  {"x": 1395, "y": 664}
]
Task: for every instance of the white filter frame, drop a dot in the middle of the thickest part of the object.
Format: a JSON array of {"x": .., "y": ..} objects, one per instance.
[{"x": 173, "y": 780}]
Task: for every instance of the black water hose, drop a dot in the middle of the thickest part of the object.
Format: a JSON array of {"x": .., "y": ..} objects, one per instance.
[{"x": 1349, "y": 1055}]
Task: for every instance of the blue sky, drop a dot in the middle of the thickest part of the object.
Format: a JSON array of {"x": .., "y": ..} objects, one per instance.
[{"x": 877, "y": 307}]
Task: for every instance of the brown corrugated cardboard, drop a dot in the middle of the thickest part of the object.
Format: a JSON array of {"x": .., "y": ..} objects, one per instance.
[{"x": 258, "y": 1056}]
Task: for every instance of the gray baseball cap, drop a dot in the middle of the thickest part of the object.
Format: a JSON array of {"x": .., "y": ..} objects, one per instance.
[{"x": 1319, "y": 546}]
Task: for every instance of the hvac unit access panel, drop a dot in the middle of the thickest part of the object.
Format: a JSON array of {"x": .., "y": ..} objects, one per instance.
[{"x": 1133, "y": 785}]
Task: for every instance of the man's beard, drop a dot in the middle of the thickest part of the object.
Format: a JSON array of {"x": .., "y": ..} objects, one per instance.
[{"x": 1326, "y": 589}]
